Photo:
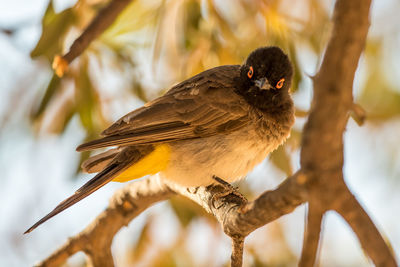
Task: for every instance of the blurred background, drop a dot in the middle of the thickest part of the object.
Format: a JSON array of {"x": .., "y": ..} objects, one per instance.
[{"x": 151, "y": 46}]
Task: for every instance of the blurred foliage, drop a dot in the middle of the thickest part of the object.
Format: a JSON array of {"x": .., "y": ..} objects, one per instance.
[
  {"x": 186, "y": 37},
  {"x": 186, "y": 211},
  {"x": 380, "y": 97},
  {"x": 147, "y": 249},
  {"x": 54, "y": 29},
  {"x": 179, "y": 39},
  {"x": 276, "y": 253}
]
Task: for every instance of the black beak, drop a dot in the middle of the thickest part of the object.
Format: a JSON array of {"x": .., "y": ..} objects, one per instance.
[{"x": 263, "y": 84}]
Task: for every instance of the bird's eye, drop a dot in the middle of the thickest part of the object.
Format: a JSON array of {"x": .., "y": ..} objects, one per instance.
[
  {"x": 250, "y": 73},
  {"x": 280, "y": 83}
]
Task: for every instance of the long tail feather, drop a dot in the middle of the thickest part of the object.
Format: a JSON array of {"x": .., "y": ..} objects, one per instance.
[{"x": 91, "y": 186}]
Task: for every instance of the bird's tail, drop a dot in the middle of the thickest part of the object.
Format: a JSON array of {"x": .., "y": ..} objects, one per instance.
[
  {"x": 102, "y": 178},
  {"x": 100, "y": 161}
]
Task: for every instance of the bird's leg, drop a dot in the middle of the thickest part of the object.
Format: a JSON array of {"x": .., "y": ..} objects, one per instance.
[
  {"x": 229, "y": 189},
  {"x": 192, "y": 190}
]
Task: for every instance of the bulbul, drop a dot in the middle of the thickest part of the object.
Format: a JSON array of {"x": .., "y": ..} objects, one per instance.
[{"x": 219, "y": 123}]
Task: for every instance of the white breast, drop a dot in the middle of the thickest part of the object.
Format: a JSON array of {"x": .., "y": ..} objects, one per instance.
[{"x": 230, "y": 157}]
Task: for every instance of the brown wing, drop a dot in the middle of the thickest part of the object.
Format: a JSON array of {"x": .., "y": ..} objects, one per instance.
[{"x": 202, "y": 106}]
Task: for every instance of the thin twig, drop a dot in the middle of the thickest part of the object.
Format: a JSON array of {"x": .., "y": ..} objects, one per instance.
[
  {"x": 358, "y": 114},
  {"x": 311, "y": 236},
  {"x": 366, "y": 231},
  {"x": 237, "y": 251},
  {"x": 99, "y": 24}
]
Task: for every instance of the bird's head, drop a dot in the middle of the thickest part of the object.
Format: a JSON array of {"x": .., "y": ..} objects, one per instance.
[{"x": 266, "y": 73}]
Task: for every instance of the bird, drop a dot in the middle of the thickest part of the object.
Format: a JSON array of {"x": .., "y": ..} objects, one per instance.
[{"x": 219, "y": 124}]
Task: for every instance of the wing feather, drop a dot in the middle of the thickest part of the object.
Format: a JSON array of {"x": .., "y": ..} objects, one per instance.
[{"x": 202, "y": 106}]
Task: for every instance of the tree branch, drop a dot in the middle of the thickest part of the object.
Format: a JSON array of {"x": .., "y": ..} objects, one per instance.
[
  {"x": 366, "y": 231},
  {"x": 311, "y": 236},
  {"x": 238, "y": 218},
  {"x": 322, "y": 145},
  {"x": 99, "y": 24},
  {"x": 125, "y": 205},
  {"x": 237, "y": 251}
]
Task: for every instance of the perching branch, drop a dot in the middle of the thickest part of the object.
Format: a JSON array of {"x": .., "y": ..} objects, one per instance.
[
  {"x": 96, "y": 239},
  {"x": 239, "y": 219},
  {"x": 236, "y": 217}
]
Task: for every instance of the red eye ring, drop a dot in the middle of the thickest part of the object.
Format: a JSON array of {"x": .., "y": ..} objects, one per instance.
[
  {"x": 280, "y": 83},
  {"x": 250, "y": 73}
]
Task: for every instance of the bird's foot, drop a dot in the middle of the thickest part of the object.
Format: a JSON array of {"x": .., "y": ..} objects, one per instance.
[
  {"x": 192, "y": 190},
  {"x": 228, "y": 190}
]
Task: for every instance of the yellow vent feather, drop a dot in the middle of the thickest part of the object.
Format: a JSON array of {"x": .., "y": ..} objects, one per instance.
[{"x": 153, "y": 163}]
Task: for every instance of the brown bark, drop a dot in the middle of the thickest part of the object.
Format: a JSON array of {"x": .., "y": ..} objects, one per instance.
[
  {"x": 322, "y": 144},
  {"x": 311, "y": 240},
  {"x": 237, "y": 251}
]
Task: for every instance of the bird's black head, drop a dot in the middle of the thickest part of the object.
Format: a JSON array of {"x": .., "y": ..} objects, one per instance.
[{"x": 265, "y": 77}]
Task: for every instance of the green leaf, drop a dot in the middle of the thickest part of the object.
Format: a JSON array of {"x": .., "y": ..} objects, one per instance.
[
  {"x": 69, "y": 113},
  {"x": 186, "y": 210},
  {"x": 54, "y": 29},
  {"x": 192, "y": 18},
  {"x": 139, "y": 91},
  {"x": 379, "y": 98},
  {"x": 86, "y": 98},
  {"x": 51, "y": 89},
  {"x": 185, "y": 213},
  {"x": 137, "y": 16},
  {"x": 297, "y": 77}
]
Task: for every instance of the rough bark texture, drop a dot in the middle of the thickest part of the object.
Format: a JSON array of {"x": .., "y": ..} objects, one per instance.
[
  {"x": 319, "y": 181},
  {"x": 237, "y": 251},
  {"x": 322, "y": 144}
]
